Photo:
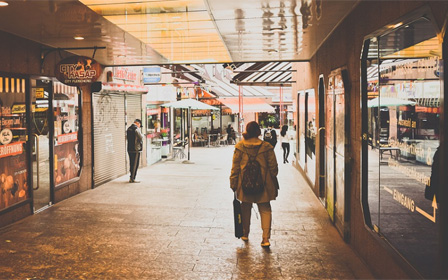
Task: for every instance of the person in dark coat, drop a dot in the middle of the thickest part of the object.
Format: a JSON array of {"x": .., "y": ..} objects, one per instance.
[
  {"x": 135, "y": 146},
  {"x": 265, "y": 156},
  {"x": 270, "y": 136}
]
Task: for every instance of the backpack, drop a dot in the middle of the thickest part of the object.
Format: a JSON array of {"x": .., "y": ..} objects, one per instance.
[
  {"x": 252, "y": 182},
  {"x": 268, "y": 135}
]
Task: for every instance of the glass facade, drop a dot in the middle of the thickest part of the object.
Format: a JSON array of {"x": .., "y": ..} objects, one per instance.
[
  {"x": 402, "y": 137},
  {"x": 14, "y": 185}
]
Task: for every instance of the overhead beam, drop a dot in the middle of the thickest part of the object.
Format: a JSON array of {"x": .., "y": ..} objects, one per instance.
[
  {"x": 255, "y": 71},
  {"x": 265, "y": 84}
]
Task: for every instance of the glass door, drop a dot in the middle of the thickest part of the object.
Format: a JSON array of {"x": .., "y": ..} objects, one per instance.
[{"x": 41, "y": 119}]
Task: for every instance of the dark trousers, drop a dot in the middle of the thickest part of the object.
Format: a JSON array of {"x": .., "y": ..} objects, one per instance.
[
  {"x": 134, "y": 161},
  {"x": 286, "y": 149}
]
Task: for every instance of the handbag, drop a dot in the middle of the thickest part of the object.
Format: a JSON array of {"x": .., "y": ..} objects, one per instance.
[{"x": 237, "y": 217}]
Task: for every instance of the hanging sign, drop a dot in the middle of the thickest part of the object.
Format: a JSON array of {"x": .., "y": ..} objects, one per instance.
[
  {"x": 151, "y": 75},
  {"x": 78, "y": 70}
]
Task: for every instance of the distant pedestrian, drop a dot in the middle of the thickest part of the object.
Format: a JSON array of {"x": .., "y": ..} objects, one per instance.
[
  {"x": 231, "y": 137},
  {"x": 270, "y": 136},
  {"x": 135, "y": 146},
  {"x": 284, "y": 139},
  {"x": 247, "y": 151}
]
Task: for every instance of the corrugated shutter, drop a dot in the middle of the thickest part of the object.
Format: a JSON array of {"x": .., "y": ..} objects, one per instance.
[
  {"x": 133, "y": 111},
  {"x": 133, "y": 107},
  {"x": 109, "y": 137}
]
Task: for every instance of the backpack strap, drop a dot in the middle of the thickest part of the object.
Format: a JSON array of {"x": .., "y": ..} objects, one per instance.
[{"x": 254, "y": 157}]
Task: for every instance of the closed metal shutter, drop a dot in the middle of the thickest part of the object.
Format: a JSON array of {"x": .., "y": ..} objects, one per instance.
[
  {"x": 134, "y": 111},
  {"x": 109, "y": 137},
  {"x": 133, "y": 108}
]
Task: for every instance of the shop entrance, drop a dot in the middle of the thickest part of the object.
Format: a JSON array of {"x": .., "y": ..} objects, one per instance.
[
  {"x": 41, "y": 118},
  {"x": 336, "y": 131}
]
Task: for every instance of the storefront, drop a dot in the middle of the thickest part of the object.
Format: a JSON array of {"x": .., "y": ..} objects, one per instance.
[
  {"x": 114, "y": 110},
  {"x": 158, "y": 128},
  {"x": 15, "y": 185},
  {"x": 401, "y": 135},
  {"x": 53, "y": 111},
  {"x": 115, "y": 107}
]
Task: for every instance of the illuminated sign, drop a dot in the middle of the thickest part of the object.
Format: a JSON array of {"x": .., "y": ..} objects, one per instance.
[{"x": 78, "y": 70}]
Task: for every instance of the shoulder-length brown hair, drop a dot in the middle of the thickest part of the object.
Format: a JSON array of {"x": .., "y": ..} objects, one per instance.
[{"x": 252, "y": 130}]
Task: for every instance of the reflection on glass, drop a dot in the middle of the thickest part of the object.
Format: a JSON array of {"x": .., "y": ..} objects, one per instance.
[
  {"x": 301, "y": 132},
  {"x": 67, "y": 160},
  {"x": 403, "y": 129},
  {"x": 310, "y": 134}
]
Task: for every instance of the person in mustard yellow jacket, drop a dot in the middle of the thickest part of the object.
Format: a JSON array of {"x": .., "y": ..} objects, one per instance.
[{"x": 265, "y": 156}]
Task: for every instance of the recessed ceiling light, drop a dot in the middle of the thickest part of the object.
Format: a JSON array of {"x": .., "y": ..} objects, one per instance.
[
  {"x": 3, "y": 4},
  {"x": 78, "y": 38}
]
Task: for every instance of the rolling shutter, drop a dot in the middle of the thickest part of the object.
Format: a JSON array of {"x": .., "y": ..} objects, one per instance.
[{"x": 109, "y": 137}]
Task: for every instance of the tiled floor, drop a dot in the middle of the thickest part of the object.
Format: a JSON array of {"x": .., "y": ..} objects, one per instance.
[{"x": 177, "y": 224}]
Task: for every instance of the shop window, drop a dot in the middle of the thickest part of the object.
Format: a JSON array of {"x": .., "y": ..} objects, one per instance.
[
  {"x": 301, "y": 121},
  {"x": 401, "y": 124},
  {"x": 310, "y": 133},
  {"x": 14, "y": 185},
  {"x": 67, "y": 119}
]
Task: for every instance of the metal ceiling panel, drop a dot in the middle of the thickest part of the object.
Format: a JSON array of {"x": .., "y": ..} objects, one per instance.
[
  {"x": 276, "y": 30},
  {"x": 137, "y": 32},
  {"x": 56, "y": 23}
]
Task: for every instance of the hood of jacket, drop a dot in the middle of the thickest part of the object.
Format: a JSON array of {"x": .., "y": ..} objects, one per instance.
[{"x": 249, "y": 147}]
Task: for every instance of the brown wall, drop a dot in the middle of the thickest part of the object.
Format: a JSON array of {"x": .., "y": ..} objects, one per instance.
[
  {"x": 21, "y": 56},
  {"x": 343, "y": 49}
]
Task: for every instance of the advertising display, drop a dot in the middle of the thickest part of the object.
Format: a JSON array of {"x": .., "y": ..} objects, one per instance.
[
  {"x": 13, "y": 162},
  {"x": 67, "y": 161}
]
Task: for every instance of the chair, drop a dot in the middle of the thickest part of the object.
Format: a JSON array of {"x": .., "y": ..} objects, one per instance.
[
  {"x": 179, "y": 149},
  {"x": 223, "y": 140}
]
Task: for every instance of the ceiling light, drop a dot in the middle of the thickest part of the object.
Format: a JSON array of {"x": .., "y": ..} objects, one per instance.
[
  {"x": 3, "y": 4},
  {"x": 78, "y": 38}
]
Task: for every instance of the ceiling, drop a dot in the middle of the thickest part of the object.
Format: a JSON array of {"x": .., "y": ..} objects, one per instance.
[{"x": 148, "y": 32}]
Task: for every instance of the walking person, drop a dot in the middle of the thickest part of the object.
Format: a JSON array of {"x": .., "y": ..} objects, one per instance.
[
  {"x": 135, "y": 146},
  {"x": 284, "y": 139},
  {"x": 270, "y": 136},
  {"x": 247, "y": 151}
]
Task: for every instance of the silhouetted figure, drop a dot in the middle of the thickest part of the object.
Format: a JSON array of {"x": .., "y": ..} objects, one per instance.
[
  {"x": 135, "y": 146},
  {"x": 284, "y": 139}
]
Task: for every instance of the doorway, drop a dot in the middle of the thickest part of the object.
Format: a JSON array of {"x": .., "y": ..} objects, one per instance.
[{"x": 41, "y": 132}]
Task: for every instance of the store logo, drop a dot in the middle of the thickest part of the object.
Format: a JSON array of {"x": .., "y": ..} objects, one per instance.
[{"x": 78, "y": 70}]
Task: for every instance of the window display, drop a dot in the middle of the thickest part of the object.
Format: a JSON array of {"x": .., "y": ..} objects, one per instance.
[
  {"x": 67, "y": 159},
  {"x": 13, "y": 160},
  {"x": 402, "y": 133}
]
